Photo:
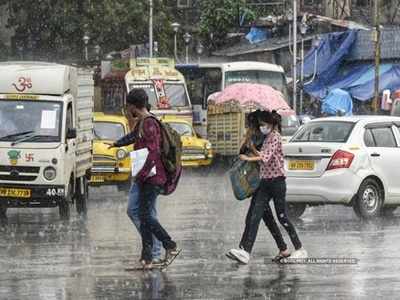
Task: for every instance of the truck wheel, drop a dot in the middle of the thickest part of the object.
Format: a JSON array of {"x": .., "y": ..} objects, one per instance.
[
  {"x": 65, "y": 205},
  {"x": 296, "y": 210},
  {"x": 368, "y": 202},
  {"x": 81, "y": 199}
]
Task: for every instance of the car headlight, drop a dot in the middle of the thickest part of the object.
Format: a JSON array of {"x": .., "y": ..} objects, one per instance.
[
  {"x": 208, "y": 146},
  {"x": 49, "y": 173},
  {"x": 121, "y": 154}
]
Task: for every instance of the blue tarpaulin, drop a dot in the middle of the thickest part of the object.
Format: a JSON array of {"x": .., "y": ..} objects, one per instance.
[
  {"x": 331, "y": 51},
  {"x": 257, "y": 35},
  {"x": 359, "y": 81},
  {"x": 337, "y": 101},
  {"x": 331, "y": 73}
]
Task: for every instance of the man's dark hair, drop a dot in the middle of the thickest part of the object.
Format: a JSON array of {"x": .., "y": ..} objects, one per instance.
[{"x": 137, "y": 97}]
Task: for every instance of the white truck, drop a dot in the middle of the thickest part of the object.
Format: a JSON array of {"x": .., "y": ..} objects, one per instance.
[{"x": 46, "y": 133}]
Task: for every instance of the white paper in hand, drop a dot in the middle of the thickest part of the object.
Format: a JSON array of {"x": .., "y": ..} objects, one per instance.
[{"x": 138, "y": 159}]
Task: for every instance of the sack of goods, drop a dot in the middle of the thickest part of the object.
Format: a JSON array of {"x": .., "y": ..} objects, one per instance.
[{"x": 245, "y": 179}]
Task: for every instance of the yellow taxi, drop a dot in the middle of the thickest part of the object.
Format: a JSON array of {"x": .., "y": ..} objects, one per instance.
[
  {"x": 196, "y": 151},
  {"x": 110, "y": 166}
]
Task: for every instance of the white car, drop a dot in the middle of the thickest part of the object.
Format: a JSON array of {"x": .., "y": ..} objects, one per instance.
[{"x": 353, "y": 161}]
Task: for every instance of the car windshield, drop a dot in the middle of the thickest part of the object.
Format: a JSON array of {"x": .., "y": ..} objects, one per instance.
[
  {"x": 176, "y": 93},
  {"x": 327, "y": 132},
  {"x": 108, "y": 131},
  {"x": 182, "y": 128},
  {"x": 40, "y": 118},
  {"x": 290, "y": 124}
]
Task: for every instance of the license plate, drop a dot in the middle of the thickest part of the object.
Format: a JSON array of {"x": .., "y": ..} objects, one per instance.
[
  {"x": 15, "y": 193},
  {"x": 305, "y": 165},
  {"x": 97, "y": 179}
]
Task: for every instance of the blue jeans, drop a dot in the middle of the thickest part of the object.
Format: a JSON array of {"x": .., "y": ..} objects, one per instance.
[{"x": 134, "y": 215}]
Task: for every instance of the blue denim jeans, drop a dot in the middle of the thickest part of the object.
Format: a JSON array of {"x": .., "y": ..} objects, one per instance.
[{"x": 134, "y": 215}]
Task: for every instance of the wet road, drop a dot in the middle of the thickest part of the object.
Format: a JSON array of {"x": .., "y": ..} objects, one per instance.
[{"x": 44, "y": 258}]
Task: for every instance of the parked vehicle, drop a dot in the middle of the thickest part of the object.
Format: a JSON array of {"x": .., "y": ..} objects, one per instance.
[
  {"x": 110, "y": 166},
  {"x": 45, "y": 136},
  {"x": 196, "y": 151},
  {"x": 345, "y": 160}
]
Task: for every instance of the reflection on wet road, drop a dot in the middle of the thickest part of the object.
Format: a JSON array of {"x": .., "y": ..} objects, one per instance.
[{"x": 43, "y": 258}]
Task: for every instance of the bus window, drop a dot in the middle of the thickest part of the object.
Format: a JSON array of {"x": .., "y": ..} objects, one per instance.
[
  {"x": 274, "y": 79},
  {"x": 176, "y": 93}
]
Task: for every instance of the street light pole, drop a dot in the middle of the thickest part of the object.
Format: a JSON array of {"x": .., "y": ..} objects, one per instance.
[
  {"x": 187, "y": 37},
  {"x": 303, "y": 31},
  {"x": 151, "y": 30},
  {"x": 295, "y": 55},
  {"x": 175, "y": 27},
  {"x": 86, "y": 40},
  {"x": 377, "y": 37}
]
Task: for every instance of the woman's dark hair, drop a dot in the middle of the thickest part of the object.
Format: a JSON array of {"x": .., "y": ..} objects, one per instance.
[
  {"x": 138, "y": 98},
  {"x": 252, "y": 119},
  {"x": 272, "y": 118}
]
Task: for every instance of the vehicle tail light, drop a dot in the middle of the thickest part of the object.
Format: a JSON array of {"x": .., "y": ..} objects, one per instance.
[{"x": 340, "y": 160}]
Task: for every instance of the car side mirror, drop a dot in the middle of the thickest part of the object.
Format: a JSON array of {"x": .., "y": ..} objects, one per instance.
[{"x": 71, "y": 133}]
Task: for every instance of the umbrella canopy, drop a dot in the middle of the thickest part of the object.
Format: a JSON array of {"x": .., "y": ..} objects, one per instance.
[{"x": 252, "y": 94}]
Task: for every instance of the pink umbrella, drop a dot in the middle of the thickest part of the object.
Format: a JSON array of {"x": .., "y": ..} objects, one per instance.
[{"x": 251, "y": 94}]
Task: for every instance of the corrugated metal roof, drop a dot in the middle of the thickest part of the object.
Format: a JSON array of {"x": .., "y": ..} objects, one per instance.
[
  {"x": 244, "y": 47},
  {"x": 364, "y": 47}
]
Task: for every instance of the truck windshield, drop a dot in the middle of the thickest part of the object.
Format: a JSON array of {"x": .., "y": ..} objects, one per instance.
[
  {"x": 108, "y": 131},
  {"x": 20, "y": 116},
  {"x": 150, "y": 91},
  {"x": 176, "y": 93},
  {"x": 274, "y": 79}
]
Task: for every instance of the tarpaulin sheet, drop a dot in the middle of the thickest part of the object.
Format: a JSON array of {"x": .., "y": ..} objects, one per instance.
[
  {"x": 331, "y": 73},
  {"x": 332, "y": 49},
  {"x": 359, "y": 81},
  {"x": 337, "y": 101}
]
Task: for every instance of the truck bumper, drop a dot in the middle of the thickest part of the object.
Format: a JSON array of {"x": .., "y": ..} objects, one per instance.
[{"x": 22, "y": 195}]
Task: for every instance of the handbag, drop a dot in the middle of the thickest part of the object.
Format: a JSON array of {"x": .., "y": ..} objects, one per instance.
[{"x": 245, "y": 178}]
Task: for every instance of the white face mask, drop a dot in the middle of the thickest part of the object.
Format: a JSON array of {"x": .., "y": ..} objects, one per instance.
[{"x": 265, "y": 130}]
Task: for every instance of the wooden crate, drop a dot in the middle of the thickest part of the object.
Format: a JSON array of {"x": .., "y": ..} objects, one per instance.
[{"x": 226, "y": 129}]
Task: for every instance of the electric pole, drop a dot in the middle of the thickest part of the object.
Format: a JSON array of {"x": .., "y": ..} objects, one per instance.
[
  {"x": 151, "y": 30},
  {"x": 295, "y": 55},
  {"x": 377, "y": 38}
]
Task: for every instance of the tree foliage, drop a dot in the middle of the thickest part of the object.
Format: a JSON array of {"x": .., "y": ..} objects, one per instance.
[
  {"x": 54, "y": 29},
  {"x": 221, "y": 17}
]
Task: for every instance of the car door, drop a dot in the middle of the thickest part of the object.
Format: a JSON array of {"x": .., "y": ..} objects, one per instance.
[{"x": 384, "y": 156}]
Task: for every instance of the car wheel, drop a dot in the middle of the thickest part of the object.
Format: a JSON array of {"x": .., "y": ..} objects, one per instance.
[
  {"x": 296, "y": 210},
  {"x": 81, "y": 198},
  {"x": 388, "y": 211},
  {"x": 65, "y": 205},
  {"x": 369, "y": 200}
]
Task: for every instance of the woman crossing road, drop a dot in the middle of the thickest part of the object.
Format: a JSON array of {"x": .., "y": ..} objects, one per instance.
[{"x": 272, "y": 186}]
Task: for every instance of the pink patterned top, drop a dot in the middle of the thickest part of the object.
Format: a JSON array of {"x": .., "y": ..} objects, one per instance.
[{"x": 272, "y": 163}]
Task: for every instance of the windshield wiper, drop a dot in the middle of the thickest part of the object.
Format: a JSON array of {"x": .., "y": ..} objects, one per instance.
[
  {"x": 34, "y": 136},
  {"x": 16, "y": 134},
  {"x": 25, "y": 138}
]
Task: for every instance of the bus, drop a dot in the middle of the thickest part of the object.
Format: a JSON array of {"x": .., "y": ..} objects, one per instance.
[{"x": 205, "y": 79}]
